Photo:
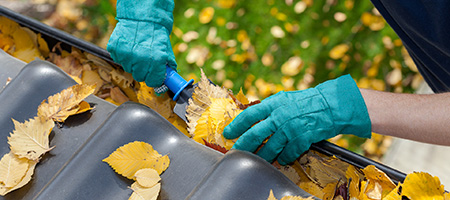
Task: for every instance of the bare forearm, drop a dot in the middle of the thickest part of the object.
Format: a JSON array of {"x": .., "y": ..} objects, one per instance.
[{"x": 424, "y": 118}]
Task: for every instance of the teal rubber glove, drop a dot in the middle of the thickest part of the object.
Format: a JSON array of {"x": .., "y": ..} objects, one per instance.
[
  {"x": 298, "y": 119},
  {"x": 140, "y": 41}
]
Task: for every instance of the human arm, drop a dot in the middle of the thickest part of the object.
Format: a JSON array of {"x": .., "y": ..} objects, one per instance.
[
  {"x": 419, "y": 117},
  {"x": 140, "y": 41}
]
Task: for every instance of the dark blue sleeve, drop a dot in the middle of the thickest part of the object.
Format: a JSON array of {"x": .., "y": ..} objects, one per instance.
[{"x": 424, "y": 28}]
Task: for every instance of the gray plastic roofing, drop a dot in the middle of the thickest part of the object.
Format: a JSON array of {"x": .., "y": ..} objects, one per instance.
[{"x": 74, "y": 168}]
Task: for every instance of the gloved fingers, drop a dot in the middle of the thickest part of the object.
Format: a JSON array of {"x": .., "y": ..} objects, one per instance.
[
  {"x": 254, "y": 137},
  {"x": 273, "y": 147},
  {"x": 246, "y": 119},
  {"x": 294, "y": 149},
  {"x": 156, "y": 74}
]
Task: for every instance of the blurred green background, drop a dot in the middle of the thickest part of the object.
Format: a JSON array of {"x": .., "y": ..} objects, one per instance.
[{"x": 266, "y": 46}]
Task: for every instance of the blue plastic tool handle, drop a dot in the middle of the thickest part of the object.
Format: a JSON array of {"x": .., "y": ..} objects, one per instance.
[{"x": 175, "y": 82}]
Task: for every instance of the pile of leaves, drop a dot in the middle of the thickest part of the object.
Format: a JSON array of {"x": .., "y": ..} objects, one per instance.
[
  {"x": 330, "y": 178},
  {"x": 30, "y": 140}
]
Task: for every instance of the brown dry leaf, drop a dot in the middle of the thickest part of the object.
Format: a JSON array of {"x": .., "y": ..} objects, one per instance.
[
  {"x": 61, "y": 105},
  {"x": 12, "y": 169},
  {"x": 69, "y": 63},
  {"x": 25, "y": 179},
  {"x": 118, "y": 96},
  {"x": 421, "y": 185},
  {"x": 144, "y": 193},
  {"x": 30, "y": 139},
  {"x": 147, "y": 177},
  {"x": 291, "y": 173},
  {"x": 125, "y": 82},
  {"x": 92, "y": 77},
  {"x": 130, "y": 158},
  {"x": 160, "y": 104},
  {"x": 323, "y": 170}
]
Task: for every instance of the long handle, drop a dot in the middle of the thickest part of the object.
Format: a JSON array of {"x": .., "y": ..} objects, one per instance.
[{"x": 175, "y": 82}]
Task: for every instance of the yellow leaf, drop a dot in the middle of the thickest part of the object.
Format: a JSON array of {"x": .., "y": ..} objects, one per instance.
[
  {"x": 212, "y": 122},
  {"x": 421, "y": 185},
  {"x": 179, "y": 124},
  {"x": 200, "y": 100},
  {"x": 447, "y": 196},
  {"x": 206, "y": 15},
  {"x": 30, "y": 139},
  {"x": 271, "y": 196},
  {"x": 394, "y": 194},
  {"x": 130, "y": 158},
  {"x": 292, "y": 67},
  {"x": 147, "y": 177},
  {"x": 339, "y": 51},
  {"x": 42, "y": 45},
  {"x": 12, "y": 169},
  {"x": 329, "y": 191},
  {"x": 144, "y": 193},
  {"x": 160, "y": 104},
  {"x": 353, "y": 177},
  {"x": 25, "y": 48},
  {"x": 374, "y": 175},
  {"x": 83, "y": 107},
  {"x": 61, "y": 105},
  {"x": 6, "y": 42},
  {"x": 8, "y": 26},
  {"x": 226, "y": 3},
  {"x": 242, "y": 98},
  {"x": 25, "y": 179}
]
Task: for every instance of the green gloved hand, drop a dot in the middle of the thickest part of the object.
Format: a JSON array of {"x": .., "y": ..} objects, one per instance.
[
  {"x": 298, "y": 119},
  {"x": 140, "y": 41}
]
